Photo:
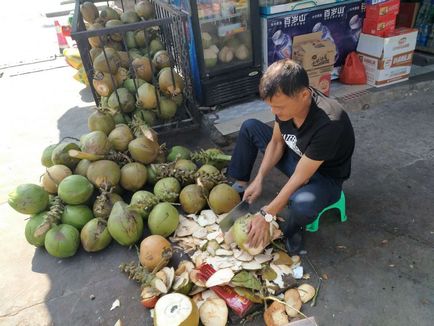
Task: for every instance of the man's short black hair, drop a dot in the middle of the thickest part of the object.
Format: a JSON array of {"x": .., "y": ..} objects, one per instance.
[{"x": 284, "y": 76}]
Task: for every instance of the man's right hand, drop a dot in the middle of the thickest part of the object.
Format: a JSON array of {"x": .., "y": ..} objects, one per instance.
[{"x": 253, "y": 191}]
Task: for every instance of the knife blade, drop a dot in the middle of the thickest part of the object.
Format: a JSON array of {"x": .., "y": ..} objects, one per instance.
[{"x": 241, "y": 209}]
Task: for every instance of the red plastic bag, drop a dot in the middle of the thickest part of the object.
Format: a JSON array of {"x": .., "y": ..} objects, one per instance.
[{"x": 353, "y": 72}]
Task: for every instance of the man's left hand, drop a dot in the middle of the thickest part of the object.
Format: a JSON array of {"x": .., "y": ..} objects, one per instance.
[{"x": 259, "y": 231}]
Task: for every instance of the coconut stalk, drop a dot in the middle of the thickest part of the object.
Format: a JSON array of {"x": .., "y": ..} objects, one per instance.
[
  {"x": 53, "y": 217},
  {"x": 205, "y": 157},
  {"x": 118, "y": 157}
]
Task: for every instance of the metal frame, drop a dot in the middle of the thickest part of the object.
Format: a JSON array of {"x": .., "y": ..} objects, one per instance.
[{"x": 171, "y": 23}]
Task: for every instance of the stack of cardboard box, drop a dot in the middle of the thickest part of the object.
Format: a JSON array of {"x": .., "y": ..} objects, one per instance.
[
  {"x": 380, "y": 17},
  {"x": 317, "y": 57}
]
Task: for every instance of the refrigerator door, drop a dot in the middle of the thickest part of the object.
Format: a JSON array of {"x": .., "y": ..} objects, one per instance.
[{"x": 224, "y": 28}]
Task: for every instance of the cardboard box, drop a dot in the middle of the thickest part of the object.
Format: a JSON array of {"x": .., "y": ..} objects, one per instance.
[
  {"x": 321, "y": 79},
  {"x": 312, "y": 52},
  {"x": 386, "y": 72},
  {"x": 387, "y": 60},
  {"x": 379, "y": 26},
  {"x": 390, "y": 7},
  {"x": 407, "y": 14}
]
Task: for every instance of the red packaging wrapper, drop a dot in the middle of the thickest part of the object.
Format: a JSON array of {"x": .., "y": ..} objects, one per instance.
[{"x": 240, "y": 305}]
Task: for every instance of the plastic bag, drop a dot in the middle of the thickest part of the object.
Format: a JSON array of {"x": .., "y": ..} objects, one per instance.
[{"x": 353, "y": 72}]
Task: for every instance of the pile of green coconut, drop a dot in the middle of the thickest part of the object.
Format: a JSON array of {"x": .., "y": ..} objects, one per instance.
[
  {"x": 114, "y": 182},
  {"x": 133, "y": 73}
]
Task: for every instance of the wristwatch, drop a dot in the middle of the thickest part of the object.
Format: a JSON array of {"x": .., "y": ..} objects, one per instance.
[{"x": 267, "y": 216}]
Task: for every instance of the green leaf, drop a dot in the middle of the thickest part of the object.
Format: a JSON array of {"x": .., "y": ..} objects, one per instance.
[{"x": 247, "y": 280}]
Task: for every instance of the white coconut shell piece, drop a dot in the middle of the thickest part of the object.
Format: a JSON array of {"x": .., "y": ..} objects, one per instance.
[
  {"x": 306, "y": 291},
  {"x": 205, "y": 219},
  {"x": 209, "y": 294},
  {"x": 263, "y": 258},
  {"x": 196, "y": 290},
  {"x": 200, "y": 233},
  {"x": 275, "y": 315},
  {"x": 251, "y": 265},
  {"x": 241, "y": 255},
  {"x": 221, "y": 277},
  {"x": 210, "y": 215},
  {"x": 198, "y": 300},
  {"x": 223, "y": 252},
  {"x": 181, "y": 281},
  {"x": 292, "y": 298},
  {"x": 186, "y": 227},
  {"x": 159, "y": 285},
  {"x": 212, "y": 228},
  {"x": 194, "y": 277},
  {"x": 225, "y": 246},
  {"x": 220, "y": 238},
  {"x": 170, "y": 276},
  {"x": 214, "y": 312},
  {"x": 149, "y": 292},
  {"x": 281, "y": 269},
  {"x": 184, "y": 266},
  {"x": 213, "y": 235}
]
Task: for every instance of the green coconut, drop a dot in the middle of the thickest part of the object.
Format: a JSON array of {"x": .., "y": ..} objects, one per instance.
[
  {"x": 28, "y": 199},
  {"x": 120, "y": 137},
  {"x": 104, "y": 203},
  {"x": 240, "y": 232},
  {"x": 146, "y": 96},
  {"x": 130, "y": 40},
  {"x": 108, "y": 13},
  {"x": 101, "y": 121},
  {"x": 163, "y": 219},
  {"x": 104, "y": 172},
  {"x": 143, "y": 201},
  {"x": 145, "y": 9},
  {"x": 76, "y": 215},
  {"x": 46, "y": 155},
  {"x": 131, "y": 84},
  {"x": 133, "y": 176},
  {"x": 152, "y": 175},
  {"x": 210, "y": 58},
  {"x": 192, "y": 199},
  {"x": 61, "y": 156},
  {"x": 155, "y": 46},
  {"x": 107, "y": 61},
  {"x": 179, "y": 152},
  {"x": 125, "y": 103},
  {"x": 62, "y": 241},
  {"x": 113, "y": 23},
  {"x": 167, "y": 189},
  {"x": 32, "y": 224},
  {"x": 147, "y": 116},
  {"x": 143, "y": 150},
  {"x": 129, "y": 17},
  {"x": 95, "y": 235},
  {"x": 120, "y": 117},
  {"x": 95, "y": 142},
  {"x": 75, "y": 190},
  {"x": 170, "y": 82},
  {"x": 82, "y": 167},
  {"x": 89, "y": 12},
  {"x": 185, "y": 171},
  {"x": 207, "y": 175},
  {"x": 223, "y": 198},
  {"x": 167, "y": 109},
  {"x": 124, "y": 224}
]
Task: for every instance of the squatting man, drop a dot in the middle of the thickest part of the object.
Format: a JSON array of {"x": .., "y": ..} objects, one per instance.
[{"x": 311, "y": 142}]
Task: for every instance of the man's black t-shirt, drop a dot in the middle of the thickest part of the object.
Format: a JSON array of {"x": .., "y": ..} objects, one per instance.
[{"x": 325, "y": 135}]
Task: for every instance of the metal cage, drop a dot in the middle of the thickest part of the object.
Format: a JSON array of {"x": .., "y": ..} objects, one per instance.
[{"x": 170, "y": 26}]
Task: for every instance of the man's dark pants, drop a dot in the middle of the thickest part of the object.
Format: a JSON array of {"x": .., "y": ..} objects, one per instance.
[{"x": 308, "y": 201}]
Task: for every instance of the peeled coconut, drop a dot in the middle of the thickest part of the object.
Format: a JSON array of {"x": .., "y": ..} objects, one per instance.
[
  {"x": 176, "y": 309},
  {"x": 170, "y": 82},
  {"x": 214, "y": 312},
  {"x": 120, "y": 137},
  {"x": 240, "y": 232},
  {"x": 167, "y": 189},
  {"x": 62, "y": 241},
  {"x": 223, "y": 198},
  {"x": 192, "y": 199},
  {"x": 242, "y": 52},
  {"x": 104, "y": 172},
  {"x": 226, "y": 54},
  {"x": 306, "y": 292},
  {"x": 125, "y": 225},
  {"x": 53, "y": 176},
  {"x": 210, "y": 58},
  {"x": 146, "y": 96},
  {"x": 155, "y": 251},
  {"x": 292, "y": 298},
  {"x": 275, "y": 315},
  {"x": 143, "y": 69},
  {"x": 133, "y": 176},
  {"x": 163, "y": 219}
]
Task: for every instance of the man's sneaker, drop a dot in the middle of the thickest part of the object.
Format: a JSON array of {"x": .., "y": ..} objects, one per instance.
[{"x": 295, "y": 244}]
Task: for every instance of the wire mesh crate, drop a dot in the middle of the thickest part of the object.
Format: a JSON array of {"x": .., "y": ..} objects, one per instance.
[{"x": 136, "y": 44}]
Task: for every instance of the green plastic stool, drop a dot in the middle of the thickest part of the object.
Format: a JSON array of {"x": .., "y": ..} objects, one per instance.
[{"x": 340, "y": 204}]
